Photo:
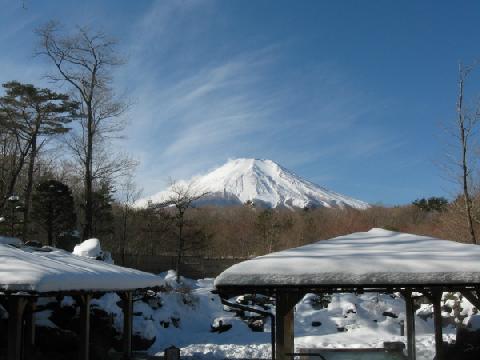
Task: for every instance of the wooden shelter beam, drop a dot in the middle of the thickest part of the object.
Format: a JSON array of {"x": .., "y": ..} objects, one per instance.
[
  {"x": 410, "y": 323},
  {"x": 436, "y": 297},
  {"x": 29, "y": 338},
  {"x": 84, "y": 345},
  {"x": 127, "y": 306},
  {"x": 284, "y": 324},
  {"x": 16, "y": 309}
]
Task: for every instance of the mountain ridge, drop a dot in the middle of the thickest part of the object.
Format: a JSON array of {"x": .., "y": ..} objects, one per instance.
[{"x": 263, "y": 182}]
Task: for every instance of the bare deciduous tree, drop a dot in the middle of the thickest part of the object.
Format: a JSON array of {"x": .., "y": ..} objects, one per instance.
[
  {"x": 466, "y": 124},
  {"x": 182, "y": 196},
  {"x": 129, "y": 194},
  {"x": 85, "y": 61}
]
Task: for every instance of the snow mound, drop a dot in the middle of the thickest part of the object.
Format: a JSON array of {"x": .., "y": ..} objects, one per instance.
[
  {"x": 263, "y": 182},
  {"x": 89, "y": 248}
]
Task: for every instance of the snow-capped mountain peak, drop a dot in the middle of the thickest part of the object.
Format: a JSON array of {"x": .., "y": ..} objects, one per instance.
[{"x": 262, "y": 182}]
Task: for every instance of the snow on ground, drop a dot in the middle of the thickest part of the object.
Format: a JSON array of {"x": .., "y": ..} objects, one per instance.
[{"x": 183, "y": 315}]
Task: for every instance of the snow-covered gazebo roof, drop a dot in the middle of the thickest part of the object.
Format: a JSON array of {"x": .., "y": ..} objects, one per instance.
[
  {"x": 364, "y": 259},
  {"x": 376, "y": 260},
  {"x": 51, "y": 270},
  {"x": 30, "y": 272}
]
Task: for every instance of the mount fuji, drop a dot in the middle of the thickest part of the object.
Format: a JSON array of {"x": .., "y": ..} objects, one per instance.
[{"x": 262, "y": 182}]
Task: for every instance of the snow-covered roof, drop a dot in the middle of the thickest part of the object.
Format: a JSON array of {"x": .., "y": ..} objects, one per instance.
[
  {"x": 34, "y": 270},
  {"x": 376, "y": 257}
]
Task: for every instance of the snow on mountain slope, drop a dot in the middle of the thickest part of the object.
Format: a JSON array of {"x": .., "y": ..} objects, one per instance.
[{"x": 263, "y": 182}]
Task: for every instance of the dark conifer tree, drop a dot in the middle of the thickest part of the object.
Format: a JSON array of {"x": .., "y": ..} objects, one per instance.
[
  {"x": 54, "y": 209},
  {"x": 102, "y": 210},
  {"x": 33, "y": 115}
]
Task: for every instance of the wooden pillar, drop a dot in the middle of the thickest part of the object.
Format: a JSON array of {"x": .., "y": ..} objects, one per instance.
[
  {"x": 284, "y": 325},
  {"x": 29, "y": 338},
  {"x": 16, "y": 308},
  {"x": 410, "y": 324},
  {"x": 127, "y": 305},
  {"x": 437, "y": 320},
  {"x": 84, "y": 336}
]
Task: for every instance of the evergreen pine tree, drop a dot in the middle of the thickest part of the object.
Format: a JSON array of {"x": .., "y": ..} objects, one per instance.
[
  {"x": 102, "y": 210},
  {"x": 32, "y": 115},
  {"x": 54, "y": 209}
]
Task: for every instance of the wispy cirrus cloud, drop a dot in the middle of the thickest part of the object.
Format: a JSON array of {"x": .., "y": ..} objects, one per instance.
[
  {"x": 199, "y": 98},
  {"x": 191, "y": 120}
]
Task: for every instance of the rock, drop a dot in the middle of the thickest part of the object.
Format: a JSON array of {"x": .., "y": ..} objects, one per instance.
[
  {"x": 141, "y": 344},
  {"x": 394, "y": 346},
  {"x": 154, "y": 301},
  {"x": 318, "y": 302},
  {"x": 175, "y": 321},
  {"x": 34, "y": 244},
  {"x": 256, "y": 325},
  {"x": 165, "y": 324},
  {"x": 390, "y": 314},
  {"x": 56, "y": 341},
  {"x": 219, "y": 326},
  {"x": 63, "y": 316}
]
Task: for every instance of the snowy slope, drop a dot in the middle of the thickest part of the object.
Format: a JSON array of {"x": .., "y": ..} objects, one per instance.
[{"x": 263, "y": 182}]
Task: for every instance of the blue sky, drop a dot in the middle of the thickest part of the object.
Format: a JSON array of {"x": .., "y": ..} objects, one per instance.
[{"x": 349, "y": 94}]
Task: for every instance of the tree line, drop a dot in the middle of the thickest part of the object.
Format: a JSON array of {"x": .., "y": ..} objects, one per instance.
[{"x": 246, "y": 231}]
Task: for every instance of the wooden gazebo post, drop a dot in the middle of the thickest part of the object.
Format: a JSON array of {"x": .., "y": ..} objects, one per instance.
[
  {"x": 436, "y": 298},
  {"x": 410, "y": 317},
  {"x": 127, "y": 305},
  {"x": 29, "y": 335},
  {"x": 284, "y": 324},
  {"x": 16, "y": 309},
  {"x": 84, "y": 345}
]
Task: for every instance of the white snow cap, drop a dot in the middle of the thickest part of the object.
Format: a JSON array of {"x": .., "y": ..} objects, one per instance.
[
  {"x": 263, "y": 182},
  {"x": 88, "y": 248},
  {"x": 41, "y": 270},
  {"x": 365, "y": 258}
]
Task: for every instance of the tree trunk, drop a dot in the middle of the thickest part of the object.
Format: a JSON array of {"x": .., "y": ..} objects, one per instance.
[
  {"x": 88, "y": 227},
  {"x": 50, "y": 224},
  {"x": 29, "y": 188},
  {"x": 180, "y": 246},
  {"x": 124, "y": 238},
  {"x": 465, "y": 170},
  {"x": 14, "y": 176}
]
